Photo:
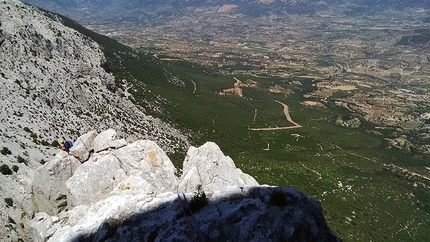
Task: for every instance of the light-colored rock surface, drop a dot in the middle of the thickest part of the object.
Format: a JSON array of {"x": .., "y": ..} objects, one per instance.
[
  {"x": 209, "y": 167},
  {"x": 94, "y": 179},
  {"x": 49, "y": 189},
  {"x": 131, "y": 194},
  {"x": 106, "y": 140},
  {"x": 83, "y": 146}
]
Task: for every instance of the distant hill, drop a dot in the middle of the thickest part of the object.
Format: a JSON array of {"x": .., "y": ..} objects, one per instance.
[{"x": 150, "y": 10}]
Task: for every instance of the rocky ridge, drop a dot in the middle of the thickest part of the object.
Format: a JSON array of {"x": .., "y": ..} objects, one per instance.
[{"x": 129, "y": 192}]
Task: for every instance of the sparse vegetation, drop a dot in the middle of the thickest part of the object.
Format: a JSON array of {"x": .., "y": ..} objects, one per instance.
[
  {"x": 42, "y": 161},
  {"x": 19, "y": 159},
  {"x": 55, "y": 143},
  {"x": 45, "y": 143},
  {"x": 15, "y": 168},
  {"x": 199, "y": 200},
  {"x": 5, "y": 170},
  {"x": 5, "y": 151},
  {"x": 8, "y": 201}
]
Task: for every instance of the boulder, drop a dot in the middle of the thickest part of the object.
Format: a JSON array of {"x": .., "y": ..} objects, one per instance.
[
  {"x": 49, "y": 192},
  {"x": 94, "y": 179},
  {"x": 106, "y": 140},
  {"x": 130, "y": 194},
  {"x": 40, "y": 225},
  {"x": 83, "y": 146},
  {"x": 144, "y": 158},
  {"x": 209, "y": 167}
]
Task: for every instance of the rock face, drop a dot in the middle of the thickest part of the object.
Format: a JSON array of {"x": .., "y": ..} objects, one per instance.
[
  {"x": 130, "y": 193},
  {"x": 207, "y": 166}
]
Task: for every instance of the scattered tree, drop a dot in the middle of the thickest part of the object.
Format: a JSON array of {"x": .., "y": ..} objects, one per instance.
[
  {"x": 15, "y": 168},
  {"x": 199, "y": 200},
  {"x": 8, "y": 201},
  {"x": 5, "y": 170},
  {"x": 19, "y": 159},
  {"x": 5, "y": 151}
]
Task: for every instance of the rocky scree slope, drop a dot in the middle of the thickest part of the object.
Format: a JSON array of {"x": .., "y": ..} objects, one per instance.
[
  {"x": 54, "y": 85},
  {"x": 129, "y": 192}
]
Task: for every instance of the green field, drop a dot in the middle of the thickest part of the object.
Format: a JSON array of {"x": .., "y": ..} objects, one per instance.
[{"x": 348, "y": 170}]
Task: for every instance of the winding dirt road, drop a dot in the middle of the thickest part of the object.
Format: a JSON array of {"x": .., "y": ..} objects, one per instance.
[{"x": 287, "y": 115}]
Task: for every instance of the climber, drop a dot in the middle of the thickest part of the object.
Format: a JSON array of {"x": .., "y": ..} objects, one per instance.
[{"x": 66, "y": 145}]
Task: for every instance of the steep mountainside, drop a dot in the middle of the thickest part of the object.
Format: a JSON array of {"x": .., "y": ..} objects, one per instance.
[{"x": 56, "y": 83}]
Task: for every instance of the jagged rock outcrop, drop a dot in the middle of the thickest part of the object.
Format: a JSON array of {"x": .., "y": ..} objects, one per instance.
[
  {"x": 207, "y": 166},
  {"x": 131, "y": 193},
  {"x": 49, "y": 188}
]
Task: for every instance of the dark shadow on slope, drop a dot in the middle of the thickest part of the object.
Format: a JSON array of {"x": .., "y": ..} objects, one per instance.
[{"x": 239, "y": 217}]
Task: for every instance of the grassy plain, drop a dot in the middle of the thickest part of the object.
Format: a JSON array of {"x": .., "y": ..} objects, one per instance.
[{"x": 346, "y": 169}]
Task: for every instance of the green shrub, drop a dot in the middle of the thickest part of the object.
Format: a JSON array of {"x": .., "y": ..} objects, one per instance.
[
  {"x": 199, "y": 200},
  {"x": 8, "y": 201},
  {"x": 21, "y": 224},
  {"x": 45, "y": 143},
  {"x": 19, "y": 159},
  {"x": 278, "y": 198},
  {"x": 10, "y": 220},
  {"x": 5, "y": 170},
  {"x": 42, "y": 161},
  {"x": 55, "y": 143},
  {"x": 15, "y": 168},
  {"x": 5, "y": 151},
  {"x": 26, "y": 129}
]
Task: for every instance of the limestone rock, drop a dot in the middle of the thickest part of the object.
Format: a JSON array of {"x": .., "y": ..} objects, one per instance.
[
  {"x": 49, "y": 189},
  {"x": 106, "y": 140},
  {"x": 83, "y": 146},
  {"x": 94, "y": 179},
  {"x": 209, "y": 167},
  {"x": 142, "y": 162},
  {"x": 130, "y": 194},
  {"x": 146, "y": 159},
  {"x": 246, "y": 215},
  {"x": 41, "y": 223}
]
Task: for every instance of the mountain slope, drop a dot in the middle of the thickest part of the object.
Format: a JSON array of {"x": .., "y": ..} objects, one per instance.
[{"x": 56, "y": 83}]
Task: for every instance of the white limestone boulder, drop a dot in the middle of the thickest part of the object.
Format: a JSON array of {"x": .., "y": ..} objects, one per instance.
[
  {"x": 144, "y": 158},
  {"x": 40, "y": 225},
  {"x": 49, "y": 190},
  {"x": 94, "y": 179},
  {"x": 106, "y": 140},
  {"x": 83, "y": 146},
  {"x": 209, "y": 167}
]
